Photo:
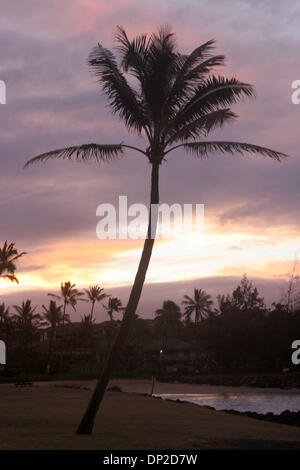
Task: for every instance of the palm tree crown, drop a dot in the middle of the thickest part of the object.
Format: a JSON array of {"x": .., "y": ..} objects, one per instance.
[
  {"x": 70, "y": 296},
  {"x": 177, "y": 99},
  {"x": 167, "y": 318},
  {"x": 95, "y": 294},
  {"x": 8, "y": 256},
  {"x": 25, "y": 314},
  {"x": 200, "y": 305},
  {"x": 113, "y": 305},
  {"x": 4, "y": 314},
  {"x": 53, "y": 314},
  {"x": 169, "y": 315}
]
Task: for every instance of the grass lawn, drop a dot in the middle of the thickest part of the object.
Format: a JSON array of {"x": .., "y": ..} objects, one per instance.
[{"x": 46, "y": 418}]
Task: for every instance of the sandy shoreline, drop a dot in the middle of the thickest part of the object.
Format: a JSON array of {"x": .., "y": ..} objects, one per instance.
[
  {"x": 144, "y": 386},
  {"x": 46, "y": 418}
]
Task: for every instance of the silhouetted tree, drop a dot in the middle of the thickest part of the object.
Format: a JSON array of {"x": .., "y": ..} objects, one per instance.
[
  {"x": 95, "y": 294},
  {"x": 114, "y": 305},
  {"x": 27, "y": 322},
  {"x": 239, "y": 330},
  {"x": 53, "y": 316},
  {"x": 86, "y": 329},
  {"x": 6, "y": 322},
  {"x": 167, "y": 319},
  {"x": 245, "y": 297},
  {"x": 200, "y": 305},
  {"x": 291, "y": 297},
  {"x": 177, "y": 100},
  {"x": 70, "y": 296},
  {"x": 8, "y": 257}
]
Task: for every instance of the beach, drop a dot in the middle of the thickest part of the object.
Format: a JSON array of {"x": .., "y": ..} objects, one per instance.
[{"x": 46, "y": 417}]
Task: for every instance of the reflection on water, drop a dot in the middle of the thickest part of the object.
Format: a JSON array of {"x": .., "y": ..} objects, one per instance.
[{"x": 259, "y": 402}]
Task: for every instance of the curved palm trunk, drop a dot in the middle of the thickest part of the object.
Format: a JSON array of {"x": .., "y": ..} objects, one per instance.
[
  {"x": 50, "y": 349},
  {"x": 92, "y": 311},
  {"x": 195, "y": 337},
  {"x": 63, "y": 319},
  {"x": 87, "y": 422}
]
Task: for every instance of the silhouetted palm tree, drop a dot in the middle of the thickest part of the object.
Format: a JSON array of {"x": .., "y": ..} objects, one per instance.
[
  {"x": 177, "y": 100},
  {"x": 167, "y": 319},
  {"x": 70, "y": 296},
  {"x": 25, "y": 313},
  {"x": 27, "y": 321},
  {"x": 6, "y": 321},
  {"x": 4, "y": 314},
  {"x": 8, "y": 256},
  {"x": 54, "y": 317},
  {"x": 86, "y": 329},
  {"x": 113, "y": 305},
  {"x": 95, "y": 294},
  {"x": 200, "y": 305}
]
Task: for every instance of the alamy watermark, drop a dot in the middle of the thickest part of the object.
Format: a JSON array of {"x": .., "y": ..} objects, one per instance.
[
  {"x": 295, "y": 96},
  {"x": 2, "y": 92},
  {"x": 296, "y": 354},
  {"x": 2, "y": 353},
  {"x": 131, "y": 222}
]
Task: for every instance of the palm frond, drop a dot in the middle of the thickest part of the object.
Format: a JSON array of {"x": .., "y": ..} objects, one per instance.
[
  {"x": 85, "y": 153},
  {"x": 204, "y": 67},
  {"x": 122, "y": 98},
  {"x": 213, "y": 94},
  {"x": 201, "y": 53},
  {"x": 203, "y": 125},
  {"x": 193, "y": 67},
  {"x": 133, "y": 53},
  {"x": 226, "y": 90},
  {"x": 10, "y": 277},
  {"x": 202, "y": 149}
]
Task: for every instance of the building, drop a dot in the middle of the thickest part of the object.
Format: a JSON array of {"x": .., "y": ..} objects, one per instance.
[{"x": 175, "y": 356}]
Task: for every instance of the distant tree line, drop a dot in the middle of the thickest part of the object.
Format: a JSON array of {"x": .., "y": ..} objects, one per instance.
[{"x": 238, "y": 332}]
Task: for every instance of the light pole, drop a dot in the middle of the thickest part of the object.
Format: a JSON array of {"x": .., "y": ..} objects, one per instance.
[{"x": 160, "y": 360}]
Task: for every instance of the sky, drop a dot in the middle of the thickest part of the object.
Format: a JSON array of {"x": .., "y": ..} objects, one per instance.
[{"x": 251, "y": 203}]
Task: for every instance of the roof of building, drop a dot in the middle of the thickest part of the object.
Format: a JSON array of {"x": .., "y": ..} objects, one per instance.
[{"x": 170, "y": 344}]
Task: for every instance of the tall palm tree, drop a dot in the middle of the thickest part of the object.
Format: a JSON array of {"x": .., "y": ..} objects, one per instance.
[
  {"x": 176, "y": 101},
  {"x": 95, "y": 294},
  {"x": 70, "y": 296},
  {"x": 113, "y": 305},
  {"x": 8, "y": 256},
  {"x": 200, "y": 305},
  {"x": 27, "y": 321},
  {"x": 25, "y": 313},
  {"x": 86, "y": 330},
  {"x": 167, "y": 319},
  {"x": 53, "y": 316},
  {"x": 6, "y": 321},
  {"x": 4, "y": 314}
]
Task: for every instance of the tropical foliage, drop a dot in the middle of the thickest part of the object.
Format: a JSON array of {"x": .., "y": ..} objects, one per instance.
[
  {"x": 238, "y": 332},
  {"x": 70, "y": 296},
  {"x": 8, "y": 257}
]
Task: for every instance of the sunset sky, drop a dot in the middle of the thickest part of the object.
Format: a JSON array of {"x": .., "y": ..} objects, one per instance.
[{"x": 251, "y": 203}]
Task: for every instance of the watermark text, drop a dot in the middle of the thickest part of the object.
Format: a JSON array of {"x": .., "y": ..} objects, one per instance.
[
  {"x": 2, "y": 92},
  {"x": 166, "y": 221}
]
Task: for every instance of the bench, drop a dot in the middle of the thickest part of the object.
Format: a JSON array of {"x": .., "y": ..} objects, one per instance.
[{"x": 23, "y": 384}]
